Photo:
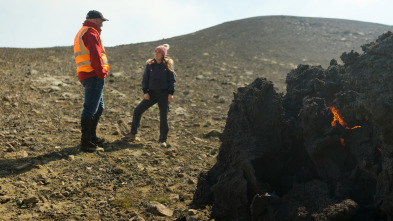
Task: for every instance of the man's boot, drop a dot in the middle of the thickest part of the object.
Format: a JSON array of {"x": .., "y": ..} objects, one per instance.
[
  {"x": 86, "y": 144},
  {"x": 94, "y": 138}
]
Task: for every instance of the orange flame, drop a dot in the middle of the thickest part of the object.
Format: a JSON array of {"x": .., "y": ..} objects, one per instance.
[
  {"x": 338, "y": 118},
  {"x": 342, "y": 142}
]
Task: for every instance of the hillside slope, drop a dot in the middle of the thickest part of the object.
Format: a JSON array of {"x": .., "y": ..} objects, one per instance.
[{"x": 268, "y": 46}]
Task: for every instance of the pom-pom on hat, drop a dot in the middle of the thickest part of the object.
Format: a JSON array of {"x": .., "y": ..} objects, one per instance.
[{"x": 163, "y": 49}]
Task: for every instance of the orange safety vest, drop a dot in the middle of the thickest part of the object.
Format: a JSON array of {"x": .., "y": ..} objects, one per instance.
[{"x": 82, "y": 53}]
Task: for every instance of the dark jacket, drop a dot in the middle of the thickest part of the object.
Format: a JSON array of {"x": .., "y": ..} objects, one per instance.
[{"x": 158, "y": 77}]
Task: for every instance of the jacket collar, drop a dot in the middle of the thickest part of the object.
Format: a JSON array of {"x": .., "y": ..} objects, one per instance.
[
  {"x": 91, "y": 24},
  {"x": 155, "y": 61}
]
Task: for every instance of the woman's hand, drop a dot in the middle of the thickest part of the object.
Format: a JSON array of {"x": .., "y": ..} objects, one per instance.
[
  {"x": 170, "y": 97},
  {"x": 146, "y": 96}
]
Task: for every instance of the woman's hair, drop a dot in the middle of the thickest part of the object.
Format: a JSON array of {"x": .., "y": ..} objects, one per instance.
[{"x": 168, "y": 63}]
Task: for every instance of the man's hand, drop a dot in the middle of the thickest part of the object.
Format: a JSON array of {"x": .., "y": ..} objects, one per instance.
[
  {"x": 170, "y": 97},
  {"x": 146, "y": 96}
]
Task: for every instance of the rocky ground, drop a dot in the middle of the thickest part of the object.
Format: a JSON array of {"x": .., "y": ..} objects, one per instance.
[{"x": 44, "y": 176}]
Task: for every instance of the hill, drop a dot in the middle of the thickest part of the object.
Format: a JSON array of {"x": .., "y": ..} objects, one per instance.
[
  {"x": 43, "y": 175},
  {"x": 262, "y": 46}
]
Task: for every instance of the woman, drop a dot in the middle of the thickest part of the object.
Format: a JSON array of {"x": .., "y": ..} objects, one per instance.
[{"x": 158, "y": 86}]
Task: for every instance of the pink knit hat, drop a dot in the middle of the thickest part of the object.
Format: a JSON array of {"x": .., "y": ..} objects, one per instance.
[{"x": 163, "y": 49}]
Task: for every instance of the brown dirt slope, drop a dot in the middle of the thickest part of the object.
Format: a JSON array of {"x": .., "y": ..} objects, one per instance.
[{"x": 43, "y": 175}]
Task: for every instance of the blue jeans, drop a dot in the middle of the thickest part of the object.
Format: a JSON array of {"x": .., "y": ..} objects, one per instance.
[
  {"x": 161, "y": 98},
  {"x": 94, "y": 102}
]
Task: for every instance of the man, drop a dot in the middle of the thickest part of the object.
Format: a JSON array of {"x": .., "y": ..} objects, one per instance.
[{"x": 92, "y": 68}]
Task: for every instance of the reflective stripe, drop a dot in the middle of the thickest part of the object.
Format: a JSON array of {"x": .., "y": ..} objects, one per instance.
[
  {"x": 83, "y": 63},
  {"x": 80, "y": 39},
  {"x": 88, "y": 63},
  {"x": 81, "y": 53}
]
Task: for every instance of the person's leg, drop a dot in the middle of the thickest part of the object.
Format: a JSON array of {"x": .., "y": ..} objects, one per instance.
[
  {"x": 93, "y": 88},
  {"x": 95, "y": 120},
  {"x": 163, "y": 105},
  {"x": 86, "y": 133},
  {"x": 138, "y": 111},
  {"x": 94, "y": 103}
]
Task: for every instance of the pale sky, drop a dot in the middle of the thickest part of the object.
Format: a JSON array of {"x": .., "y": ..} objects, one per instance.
[{"x": 51, "y": 23}]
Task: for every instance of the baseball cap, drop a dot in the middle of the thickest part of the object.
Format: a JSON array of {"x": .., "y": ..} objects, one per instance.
[{"x": 95, "y": 14}]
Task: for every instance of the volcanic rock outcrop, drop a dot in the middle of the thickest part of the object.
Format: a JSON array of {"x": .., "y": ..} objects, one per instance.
[{"x": 324, "y": 151}]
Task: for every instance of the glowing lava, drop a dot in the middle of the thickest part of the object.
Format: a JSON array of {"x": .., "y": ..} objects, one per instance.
[{"x": 338, "y": 118}]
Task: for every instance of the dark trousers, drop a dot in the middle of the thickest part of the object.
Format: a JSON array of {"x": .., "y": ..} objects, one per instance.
[
  {"x": 161, "y": 98},
  {"x": 94, "y": 102}
]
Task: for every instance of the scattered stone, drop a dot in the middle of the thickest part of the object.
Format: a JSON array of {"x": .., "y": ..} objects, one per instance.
[
  {"x": 30, "y": 200},
  {"x": 54, "y": 88},
  {"x": 102, "y": 202},
  {"x": 214, "y": 151},
  {"x": 207, "y": 124},
  {"x": 191, "y": 181},
  {"x": 140, "y": 167},
  {"x": 212, "y": 133},
  {"x": 192, "y": 212},
  {"x": 7, "y": 99},
  {"x": 172, "y": 189},
  {"x": 24, "y": 166},
  {"x": 117, "y": 131},
  {"x": 118, "y": 170},
  {"x": 43, "y": 179},
  {"x": 4, "y": 199},
  {"x": 117, "y": 94},
  {"x": 171, "y": 151},
  {"x": 202, "y": 156},
  {"x": 137, "y": 218},
  {"x": 23, "y": 154},
  {"x": 19, "y": 202},
  {"x": 66, "y": 95},
  {"x": 117, "y": 74},
  {"x": 108, "y": 187},
  {"x": 159, "y": 209},
  {"x": 220, "y": 100},
  {"x": 174, "y": 197},
  {"x": 57, "y": 195},
  {"x": 43, "y": 199},
  {"x": 43, "y": 207},
  {"x": 229, "y": 83},
  {"x": 200, "y": 77},
  {"x": 10, "y": 147},
  {"x": 180, "y": 111},
  {"x": 71, "y": 157}
]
